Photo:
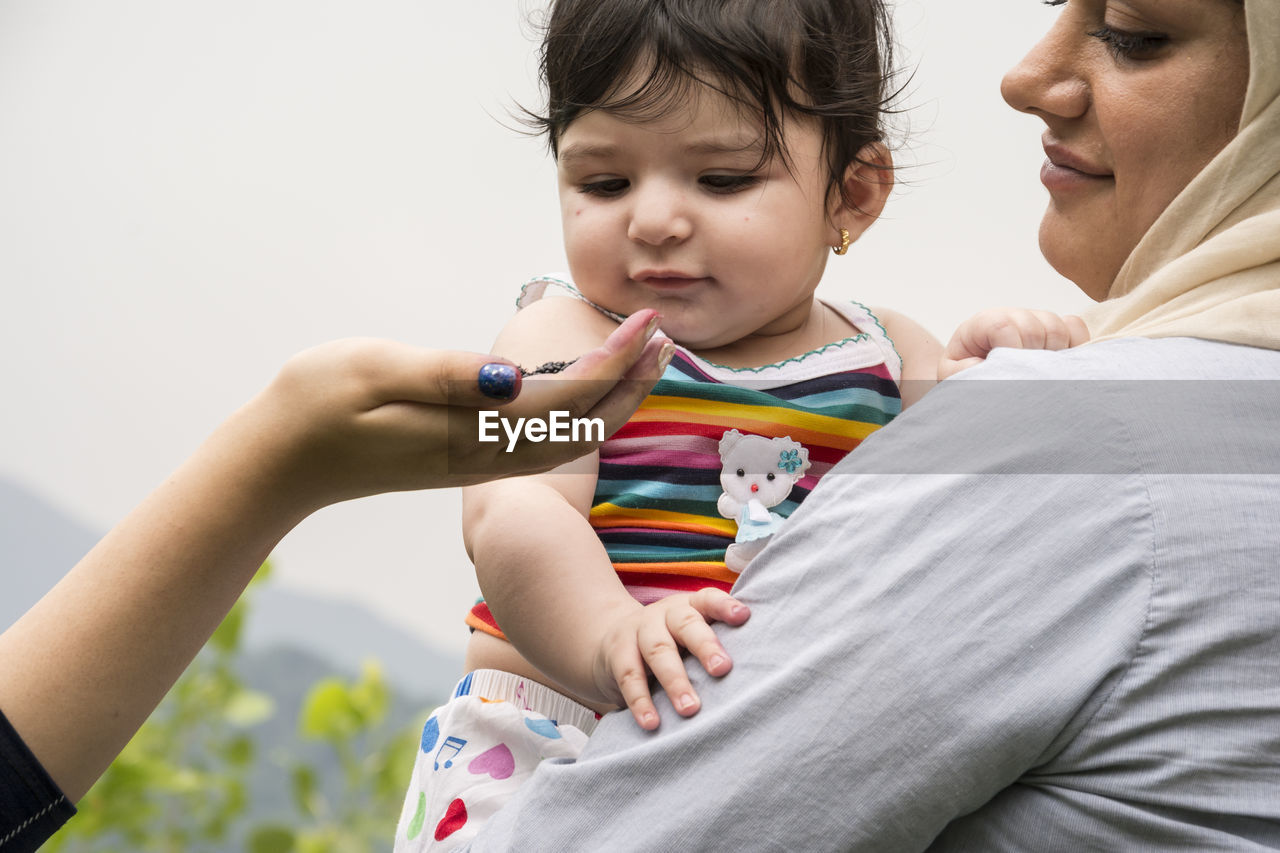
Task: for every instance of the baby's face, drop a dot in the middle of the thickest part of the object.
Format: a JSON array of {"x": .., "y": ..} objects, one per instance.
[
  {"x": 746, "y": 477},
  {"x": 677, "y": 213}
]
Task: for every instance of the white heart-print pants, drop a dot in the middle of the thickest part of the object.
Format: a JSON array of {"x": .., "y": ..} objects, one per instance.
[{"x": 478, "y": 749}]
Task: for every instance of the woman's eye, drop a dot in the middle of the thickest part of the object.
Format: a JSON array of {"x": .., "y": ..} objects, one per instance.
[
  {"x": 728, "y": 183},
  {"x": 1054, "y": 2},
  {"x": 608, "y": 187},
  {"x": 1130, "y": 46}
]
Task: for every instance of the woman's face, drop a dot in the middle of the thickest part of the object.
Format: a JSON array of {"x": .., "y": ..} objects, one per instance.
[{"x": 1137, "y": 97}]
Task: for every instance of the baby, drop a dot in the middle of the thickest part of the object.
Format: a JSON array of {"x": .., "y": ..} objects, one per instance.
[{"x": 711, "y": 155}]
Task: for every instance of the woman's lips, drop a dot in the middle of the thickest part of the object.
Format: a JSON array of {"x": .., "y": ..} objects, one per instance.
[{"x": 1064, "y": 171}]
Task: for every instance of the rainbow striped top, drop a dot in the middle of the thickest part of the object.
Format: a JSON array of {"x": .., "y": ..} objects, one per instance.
[{"x": 655, "y": 500}]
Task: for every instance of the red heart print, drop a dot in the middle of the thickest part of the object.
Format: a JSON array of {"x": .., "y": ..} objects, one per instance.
[{"x": 455, "y": 817}]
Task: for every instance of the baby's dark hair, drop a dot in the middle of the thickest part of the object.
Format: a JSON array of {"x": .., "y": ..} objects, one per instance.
[{"x": 828, "y": 59}]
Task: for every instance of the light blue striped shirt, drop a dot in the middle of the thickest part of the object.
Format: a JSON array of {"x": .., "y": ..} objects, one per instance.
[{"x": 1028, "y": 615}]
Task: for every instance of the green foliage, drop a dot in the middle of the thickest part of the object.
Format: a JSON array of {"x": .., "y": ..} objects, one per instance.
[
  {"x": 341, "y": 715},
  {"x": 184, "y": 783},
  {"x": 272, "y": 839}
]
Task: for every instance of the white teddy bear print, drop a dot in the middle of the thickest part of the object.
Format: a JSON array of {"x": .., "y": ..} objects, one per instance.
[{"x": 756, "y": 473}]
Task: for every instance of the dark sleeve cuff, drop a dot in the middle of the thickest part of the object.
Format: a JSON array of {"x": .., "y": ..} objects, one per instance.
[{"x": 32, "y": 808}]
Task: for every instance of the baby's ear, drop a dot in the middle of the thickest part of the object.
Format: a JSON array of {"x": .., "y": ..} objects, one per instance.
[{"x": 865, "y": 188}]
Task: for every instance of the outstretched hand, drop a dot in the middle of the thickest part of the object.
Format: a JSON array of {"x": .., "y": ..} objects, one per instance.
[
  {"x": 84, "y": 667},
  {"x": 362, "y": 416},
  {"x": 650, "y": 640},
  {"x": 1019, "y": 328}
]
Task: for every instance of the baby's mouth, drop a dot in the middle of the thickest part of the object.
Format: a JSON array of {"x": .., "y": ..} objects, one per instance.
[{"x": 663, "y": 279}]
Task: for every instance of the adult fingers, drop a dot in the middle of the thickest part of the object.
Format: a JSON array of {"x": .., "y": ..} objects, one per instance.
[
  {"x": 622, "y": 400},
  {"x": 569, "y": 413},
  {"x": 606, "y": 415},
  {"x": 626, "y": 357},
  {"x": 614, "y": 358},
  {"x": 389, "y": 371},
  {"x": 396, "y": 372}
]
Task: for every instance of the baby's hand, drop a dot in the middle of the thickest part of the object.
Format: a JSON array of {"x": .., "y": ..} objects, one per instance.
[
  {"x": 1019, "y": 328},
  {"x": 653, "y": 636}
]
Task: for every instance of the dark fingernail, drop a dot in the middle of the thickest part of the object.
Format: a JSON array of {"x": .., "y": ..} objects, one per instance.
[{"x": 499, "y": 381}]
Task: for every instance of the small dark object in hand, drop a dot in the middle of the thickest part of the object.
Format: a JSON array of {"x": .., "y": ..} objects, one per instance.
[{"x": 547, "y": 367}]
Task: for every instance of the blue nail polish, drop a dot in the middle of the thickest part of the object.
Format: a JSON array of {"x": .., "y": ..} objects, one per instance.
[{"x": 499, "y": 381}]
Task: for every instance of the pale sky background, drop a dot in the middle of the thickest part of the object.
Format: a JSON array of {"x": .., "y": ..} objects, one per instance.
[{"x": 191, "y": 192}]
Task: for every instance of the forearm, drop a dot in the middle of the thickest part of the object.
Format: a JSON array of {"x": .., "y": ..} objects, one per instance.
[
  {"x": 81, "y": 671},
  {"x": 548, "y": 580}
]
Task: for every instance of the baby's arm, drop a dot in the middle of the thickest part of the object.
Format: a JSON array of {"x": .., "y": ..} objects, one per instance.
[
  {"x": 1019, "y": 328},
  {"x": 547, "y": 577},
  {"x": 919, "y": 350}
]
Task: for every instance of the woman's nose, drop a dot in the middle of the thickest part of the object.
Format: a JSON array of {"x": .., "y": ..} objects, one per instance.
[
  {"x": 1051, "y": 80},
  {"x": 659, "y": 215}
]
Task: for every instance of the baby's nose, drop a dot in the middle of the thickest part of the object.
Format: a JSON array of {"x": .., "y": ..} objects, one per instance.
[{"x": 658, "y": 215}]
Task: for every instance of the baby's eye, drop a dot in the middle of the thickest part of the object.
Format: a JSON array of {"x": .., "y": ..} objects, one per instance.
[
  {"x": 770, "y": 477},
  {"x": 741, "y": 473},
  {"x": 727, "y": 184},
  {"x": 607, "y": 188}
]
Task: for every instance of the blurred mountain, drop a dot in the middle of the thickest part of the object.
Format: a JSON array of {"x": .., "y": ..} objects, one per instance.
[
  {"x": 39, "y": 542},
  {"x": 344, "y": 635}
]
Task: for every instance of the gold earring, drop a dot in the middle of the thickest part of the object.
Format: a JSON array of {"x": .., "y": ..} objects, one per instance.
[{"x": 844, "y": 242}]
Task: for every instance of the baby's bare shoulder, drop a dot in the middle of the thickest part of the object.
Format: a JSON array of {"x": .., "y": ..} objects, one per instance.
[{"x": 556, "y": 328}]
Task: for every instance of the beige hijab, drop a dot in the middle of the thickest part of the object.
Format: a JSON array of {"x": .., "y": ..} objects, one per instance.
[{"x": 1210, "y": 265}]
